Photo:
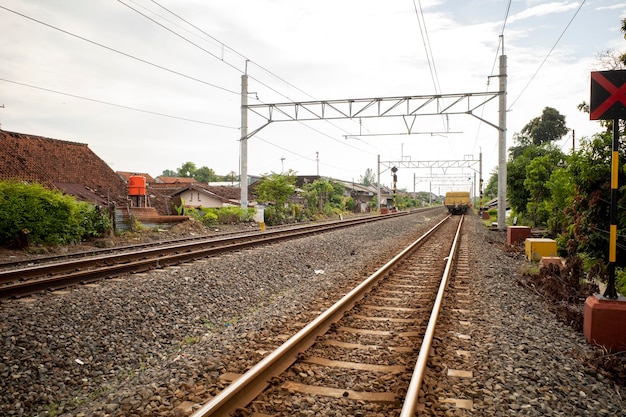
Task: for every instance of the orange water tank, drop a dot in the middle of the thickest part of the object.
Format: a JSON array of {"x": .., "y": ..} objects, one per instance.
[{"x": 137, "y": 185}]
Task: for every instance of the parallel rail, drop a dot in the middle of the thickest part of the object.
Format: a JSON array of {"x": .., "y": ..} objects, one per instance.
[
  {"x": 59, "y": 274},
  {"x": 248, "y": 386}
]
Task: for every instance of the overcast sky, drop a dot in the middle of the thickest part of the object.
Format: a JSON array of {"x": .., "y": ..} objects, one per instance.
[{"x": 150, "y": 85}]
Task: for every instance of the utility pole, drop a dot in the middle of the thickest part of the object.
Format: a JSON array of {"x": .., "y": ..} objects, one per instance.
[
  {"x": 317, "y": 159},
  {"x": 378, "y": 185},
  {"x": 243, "y": 154},
  {"x": 502, "y": 144}
]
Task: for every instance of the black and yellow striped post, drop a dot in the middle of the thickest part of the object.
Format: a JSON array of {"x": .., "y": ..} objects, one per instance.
[
  {"x": 610, "y": 291},
  {"x": 608, "y": 102}
]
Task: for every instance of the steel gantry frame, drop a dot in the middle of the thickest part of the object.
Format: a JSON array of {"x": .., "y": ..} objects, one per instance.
[
  {"x": 407, "y": 107},
  {"x": 474, "y": 165}
]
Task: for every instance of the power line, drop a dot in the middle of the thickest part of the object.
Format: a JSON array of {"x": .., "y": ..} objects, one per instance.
[
  {"x": 547, "y": 56},
  {"x": 232, "y": 66},
  {"x": 427, "y": 48},
  {"x": 119, "y": 52},
  {"x": 223, "y": 45},
  {"x": 117, "y": 105},
  {"x": 495, "y": 61}
]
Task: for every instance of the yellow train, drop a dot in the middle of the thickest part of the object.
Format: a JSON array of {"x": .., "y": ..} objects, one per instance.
[{"x": 457, "y": 202}]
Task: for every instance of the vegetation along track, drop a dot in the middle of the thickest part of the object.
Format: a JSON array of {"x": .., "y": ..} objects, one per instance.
[
  {"x": 59, "y": 272},
  {"x": 356, "y": 358}
]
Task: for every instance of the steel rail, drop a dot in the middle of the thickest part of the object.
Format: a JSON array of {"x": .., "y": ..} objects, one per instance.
[
  {"x": 161, "y": 250},
  {"x": 95, "y": 252},
  {"x": 82, "y": 271},
  {"x": 410, "y": 401},
  {"x": 255, "y": 380}
]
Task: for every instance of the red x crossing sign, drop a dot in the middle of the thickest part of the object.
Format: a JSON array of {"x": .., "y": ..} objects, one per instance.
[{"x": 608, "y": 95}]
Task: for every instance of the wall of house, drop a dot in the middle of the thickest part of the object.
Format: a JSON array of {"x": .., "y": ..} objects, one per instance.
[{"x": 194, "y": 198}]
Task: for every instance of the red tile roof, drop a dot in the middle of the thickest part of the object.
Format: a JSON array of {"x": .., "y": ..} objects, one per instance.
[
  {"x": 174, "y": 180},
  {"x": 53, "y": 162},
  {"x": 126, "y": 176}
]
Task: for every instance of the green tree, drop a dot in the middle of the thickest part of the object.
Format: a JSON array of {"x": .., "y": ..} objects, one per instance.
[
  {"x": 276, "y": 188},
  {"x": 169, "y": 173},
  {"x": 491, "y": 190},
  {"x": 561, "y": 189},
  {"x": 538, "y": 174},
  {"x": 369, "y": 178},
  {"x": 548, "y": 127},
  {"x": 535, "y": 140},
  {"x": 187, "y": 170},
  {"x": 590, "y": 172},
  {"x": 205, "y": 174},
  {"x": 324, "y": 195}
]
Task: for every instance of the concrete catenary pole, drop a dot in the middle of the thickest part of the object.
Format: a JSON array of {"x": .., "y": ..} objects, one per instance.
[
  {"x": 378, "y": 184},
  {"x": 243, "y": 153},
  {"x": 502, "y": 146}
]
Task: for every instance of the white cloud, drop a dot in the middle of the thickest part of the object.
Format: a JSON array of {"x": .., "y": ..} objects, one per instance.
[{"x": 543, "y": 10}]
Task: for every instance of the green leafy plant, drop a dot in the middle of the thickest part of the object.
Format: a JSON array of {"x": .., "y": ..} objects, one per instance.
[{"x": 33, "y": 213}]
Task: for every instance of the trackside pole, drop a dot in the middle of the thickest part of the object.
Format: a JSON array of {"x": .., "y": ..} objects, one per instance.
[
  {"x": 243, "y": 175},
  {"x": 610, "y": 291},
  {"x": 502, "y": 146},
  {"x": 605, "y": 315}
]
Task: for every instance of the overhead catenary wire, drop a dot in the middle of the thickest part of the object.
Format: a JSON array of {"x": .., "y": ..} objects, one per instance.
[
  {"x": 145, "y": 62},
  {"x": 118, "y": 105},
  {"x": 241, "y": 71},
  {"x": 499, "y": 52},
  {"x": 547, "y": 56},
  {"x": 241, "y": 55},
  {"x": 118, "y": 51},
  {"x": 431, "y": 59}
]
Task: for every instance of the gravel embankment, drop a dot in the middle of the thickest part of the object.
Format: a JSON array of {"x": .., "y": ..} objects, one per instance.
[
  {"x": 523, "y": 361},
  {"x": 150, "y": 344},
  {"x": 137, "y": 346}
]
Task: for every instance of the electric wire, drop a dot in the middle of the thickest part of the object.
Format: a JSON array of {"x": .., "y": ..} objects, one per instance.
[
  {"x": 118, "y": 51},
  {"x": 493, "y": 68},
  {"x": 143, "y": 61},
  {"x": 117, "y": 105},
  {"x": 426, "y": 42},
  {"x": 307, "y": 158},
  {"x": 547, "y": 56},
  {"x": 223, "y": 45},
  {"x": 232, "y": 66}
]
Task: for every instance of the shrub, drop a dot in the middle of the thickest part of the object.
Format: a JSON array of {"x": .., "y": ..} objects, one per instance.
[
  {"x": 47, "y": 217},
  {"x": 620, "y": 280},
  {"x": 210, "y": 217}
]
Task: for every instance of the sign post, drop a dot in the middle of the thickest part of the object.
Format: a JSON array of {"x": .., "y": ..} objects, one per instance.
[
  {"x": 608, "y": 101},
  {"x": 605, "y": 316}
]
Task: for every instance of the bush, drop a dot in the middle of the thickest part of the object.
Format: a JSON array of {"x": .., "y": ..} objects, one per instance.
[
  {"x": 620, "y": 280},
  {"x": 224, "y": 215},
  {"x": 45, "y": 216}
]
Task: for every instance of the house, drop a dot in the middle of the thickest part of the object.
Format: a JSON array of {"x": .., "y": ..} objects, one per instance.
[
  {"x": 196, "y": 195},
  {"x": 174, "y": 180},
  {"x": 69, "y": 167},
  {"x": 126, "y": 176},
  {"x": 73, "y": 169}
]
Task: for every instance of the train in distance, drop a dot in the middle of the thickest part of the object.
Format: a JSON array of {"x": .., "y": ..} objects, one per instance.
[{"x": 457, "y": 202}]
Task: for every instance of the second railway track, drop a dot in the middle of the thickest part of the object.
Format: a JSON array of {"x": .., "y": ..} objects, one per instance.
[
  {"x": 362, "y": 356},
  {"x": 59, "y": 273}
]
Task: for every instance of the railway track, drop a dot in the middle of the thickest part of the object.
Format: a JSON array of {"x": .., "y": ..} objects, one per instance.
[
  {"x": 361, "y": 356},
  {"x": 52, "y": 273}
]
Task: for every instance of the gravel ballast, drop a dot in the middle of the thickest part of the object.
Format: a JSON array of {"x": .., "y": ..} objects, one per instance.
[{"x": 151, "y": 344}]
